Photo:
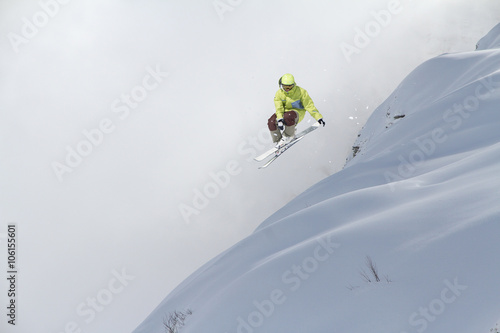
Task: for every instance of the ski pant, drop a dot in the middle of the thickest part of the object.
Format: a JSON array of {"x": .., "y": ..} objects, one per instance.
[{"x": 290, "y": 118}]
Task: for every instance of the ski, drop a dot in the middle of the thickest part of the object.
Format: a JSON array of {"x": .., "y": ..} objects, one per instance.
[
  {"x": 277, "y": 151},
  {"x": 263, "y": 156},
  {"x": 297, "y": 137},
  {"x": 268, "y": 162},
  {"x": 280, "y": 151}
]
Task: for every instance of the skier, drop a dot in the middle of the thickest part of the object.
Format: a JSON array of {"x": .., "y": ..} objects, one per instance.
[{"x": 291, "y": 102}]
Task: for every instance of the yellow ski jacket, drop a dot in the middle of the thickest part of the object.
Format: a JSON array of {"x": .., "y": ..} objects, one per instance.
[{"x": 296, "y": 99}]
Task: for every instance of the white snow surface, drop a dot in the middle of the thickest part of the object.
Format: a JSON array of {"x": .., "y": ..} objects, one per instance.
[
  {"x": 491, "y": 40},
  {"x": 420, "y": 198}
]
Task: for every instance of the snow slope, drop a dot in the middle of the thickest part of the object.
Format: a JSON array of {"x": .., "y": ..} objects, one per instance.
[
  {"x": 420, "y": 197},
  {"x": 491, "y": 40}
]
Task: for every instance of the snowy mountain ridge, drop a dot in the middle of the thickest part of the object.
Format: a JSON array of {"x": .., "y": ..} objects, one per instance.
[
  {"x": 491, "y": 40},
  {"x": 419, "y": 196}
]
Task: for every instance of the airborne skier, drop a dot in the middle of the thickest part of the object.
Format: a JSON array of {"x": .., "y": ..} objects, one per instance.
[{"x": 291, "y": 102}]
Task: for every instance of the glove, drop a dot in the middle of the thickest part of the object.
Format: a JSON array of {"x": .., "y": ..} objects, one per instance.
[
  {"x": 322, "y": 122},
  {"x": 281, "y": 124}
]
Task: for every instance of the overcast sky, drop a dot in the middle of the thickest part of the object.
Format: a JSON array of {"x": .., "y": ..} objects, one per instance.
[{"x": 127, "y": 132}]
